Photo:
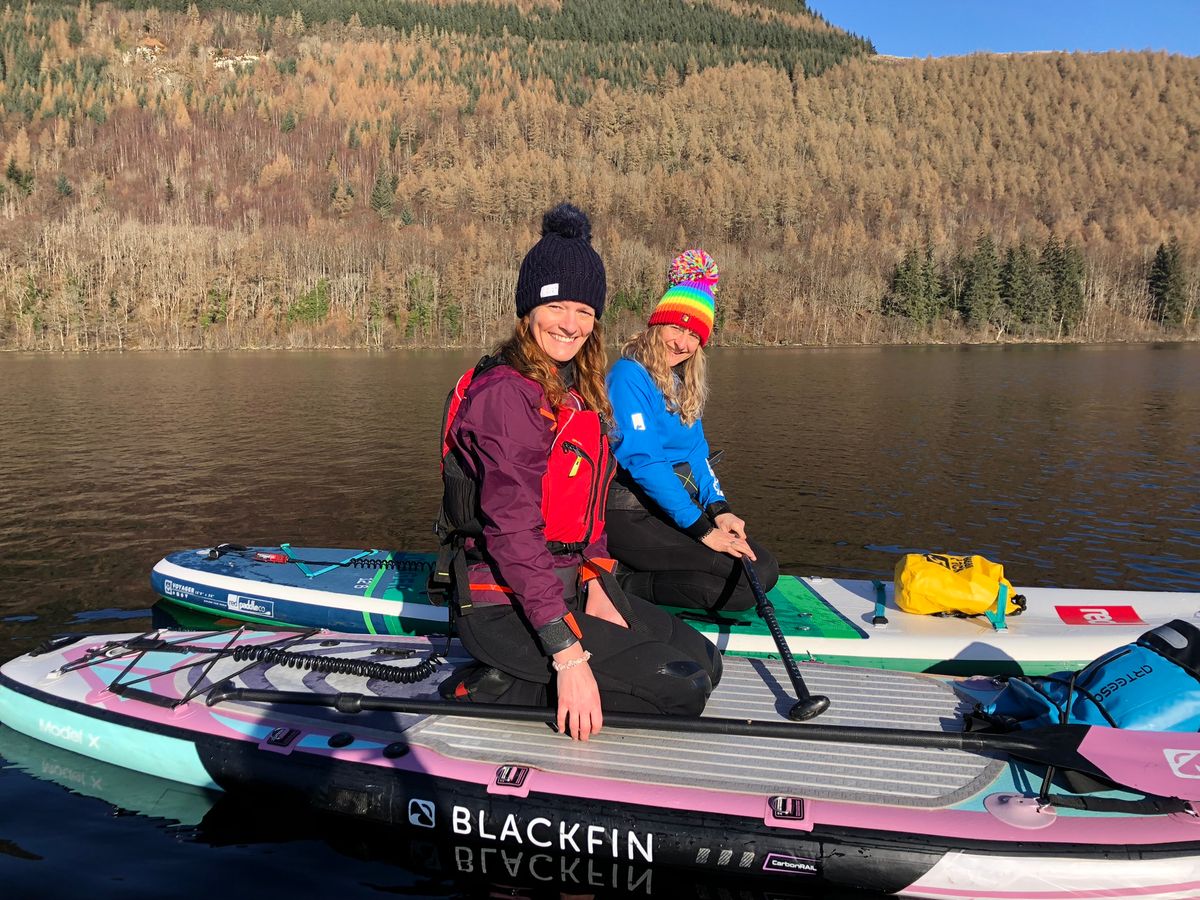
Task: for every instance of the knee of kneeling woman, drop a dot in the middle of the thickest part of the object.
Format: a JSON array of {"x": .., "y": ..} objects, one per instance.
[
  {"x": 716, "y": 663},
  {"x": 739, "y": 601},
  {"x": 684, "y": 688}
]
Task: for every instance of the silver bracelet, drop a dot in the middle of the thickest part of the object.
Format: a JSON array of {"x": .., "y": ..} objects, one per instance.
[{"x": 571, "y": 663}]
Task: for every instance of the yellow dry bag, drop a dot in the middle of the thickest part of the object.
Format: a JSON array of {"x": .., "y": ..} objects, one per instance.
[{"x": 935, "y": 584}]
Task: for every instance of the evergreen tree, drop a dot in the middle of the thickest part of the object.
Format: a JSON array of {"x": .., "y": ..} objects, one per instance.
[
  {"x": 23, "y": 179},
  {"x": 906, "y": 296},
  {"x": 1019, "y": 284},
  {"x": 1061, "y": 271},
  {"x": 931, "y": 281},
  {"x": 916, "y": 288},
  {"x": 1041, "y": 298},
  {"x": 1168, "y": 293},
  {"x": 981, "y": 297},
  {"x": 1050, "y": 267},
  {"x": 1068, "y": 289},
  {"x": 383, "y": 193}
]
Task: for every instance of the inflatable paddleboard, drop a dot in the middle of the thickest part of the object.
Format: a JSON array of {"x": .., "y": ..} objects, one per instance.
[
  {"x": 218, "y": 819},
  {"x": 328, "y": 721},
  {"x": 839, "y": 621}
]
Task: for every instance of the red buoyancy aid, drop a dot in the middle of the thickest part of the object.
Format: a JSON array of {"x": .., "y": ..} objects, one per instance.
[{"x": 579, "y": 470}]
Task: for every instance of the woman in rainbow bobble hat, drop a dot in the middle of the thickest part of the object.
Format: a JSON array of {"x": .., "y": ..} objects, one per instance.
[{"x": 669, "y": 524}]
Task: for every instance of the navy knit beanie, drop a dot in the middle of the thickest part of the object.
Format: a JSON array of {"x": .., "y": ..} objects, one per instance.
[{"x": 562, "y": 265}]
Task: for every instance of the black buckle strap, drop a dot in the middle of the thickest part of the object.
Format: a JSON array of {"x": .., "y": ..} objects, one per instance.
[
  {"x": 449, "y": 584},
  {"x": 558, "y": 548}
]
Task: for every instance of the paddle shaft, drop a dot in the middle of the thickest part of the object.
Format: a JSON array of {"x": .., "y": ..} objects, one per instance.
[
  {"x": 766, "y": 612},
  {"x": 1051, "y": 746},
  {"x": 1153, "y": 763}
]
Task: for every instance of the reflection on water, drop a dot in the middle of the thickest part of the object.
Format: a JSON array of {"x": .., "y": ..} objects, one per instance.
[
  {"x": 1075, "y": 466},
  {"x": 162, "y": 834}
]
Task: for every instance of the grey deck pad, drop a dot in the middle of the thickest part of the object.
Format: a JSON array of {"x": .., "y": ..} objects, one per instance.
[
  {"x": 756, "y": 689},
  {"x": 753, "y": 689}
]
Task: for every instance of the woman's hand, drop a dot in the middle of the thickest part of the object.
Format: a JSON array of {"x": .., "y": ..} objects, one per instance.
[
  {"x": 600, "y": 605},
  {"x": 730, "y": 524},
  {"x": 578, "y": 696},
  {"x": 724, "y": 542}
]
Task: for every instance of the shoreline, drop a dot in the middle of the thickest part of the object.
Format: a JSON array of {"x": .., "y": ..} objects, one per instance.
[{"x": 614, "y": 346}]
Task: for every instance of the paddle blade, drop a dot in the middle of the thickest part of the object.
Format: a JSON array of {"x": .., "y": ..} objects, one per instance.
[
  {"x": 1164, "y": 763},
  {"x": 808, "y": 708}
]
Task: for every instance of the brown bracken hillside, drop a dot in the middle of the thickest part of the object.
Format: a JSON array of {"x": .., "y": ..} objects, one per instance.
[{"x": 212, "y": 177}]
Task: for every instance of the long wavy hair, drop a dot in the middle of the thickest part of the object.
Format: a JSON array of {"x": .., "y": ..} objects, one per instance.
[
  {"x": 522, "y": 352},
  {"x": 685, "y": 395}
]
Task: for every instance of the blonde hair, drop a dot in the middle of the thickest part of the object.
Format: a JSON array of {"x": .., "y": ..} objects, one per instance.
[
  {"x": 685, "y": 395},
  {"x": 521, "y": 351}
]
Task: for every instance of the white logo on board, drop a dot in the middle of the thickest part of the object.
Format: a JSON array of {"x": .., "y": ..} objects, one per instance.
[
  {"x": 1184, "y": 763},
  {"x": 421, "y": 813}
]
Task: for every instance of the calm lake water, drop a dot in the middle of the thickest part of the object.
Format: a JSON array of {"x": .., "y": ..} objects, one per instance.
[{"x": 1074, "y": 466}]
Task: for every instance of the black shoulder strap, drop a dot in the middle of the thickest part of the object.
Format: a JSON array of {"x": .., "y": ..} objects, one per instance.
[
  {"x": 489, "y": 362},
  {"x": 448, "y": 582},
  {"x": 485, "y": 363}
]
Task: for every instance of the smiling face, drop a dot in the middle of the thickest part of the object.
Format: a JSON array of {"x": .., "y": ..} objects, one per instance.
[
  {"x": 680, "y": 343},
  {"x": 561, "y": 327}
]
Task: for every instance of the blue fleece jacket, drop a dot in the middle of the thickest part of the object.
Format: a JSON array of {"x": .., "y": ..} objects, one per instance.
[{"x": 649, "y": 440}]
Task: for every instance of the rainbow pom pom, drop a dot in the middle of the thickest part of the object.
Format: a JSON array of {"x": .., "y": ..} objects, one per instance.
[{"x": 695, "y": 266}]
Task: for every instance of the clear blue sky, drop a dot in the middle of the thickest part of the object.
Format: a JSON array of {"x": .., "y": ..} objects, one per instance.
[{"x": 954, "y": 27}]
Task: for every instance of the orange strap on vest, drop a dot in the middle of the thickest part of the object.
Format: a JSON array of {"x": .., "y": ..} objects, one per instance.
[{"x": 589, "y": 571}]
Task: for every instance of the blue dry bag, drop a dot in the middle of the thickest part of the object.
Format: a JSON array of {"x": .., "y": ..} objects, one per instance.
[{"x": 1152, "y": 684}]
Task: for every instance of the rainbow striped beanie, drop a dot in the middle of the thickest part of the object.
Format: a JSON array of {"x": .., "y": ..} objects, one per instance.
[{"x": 688, "y": 305}]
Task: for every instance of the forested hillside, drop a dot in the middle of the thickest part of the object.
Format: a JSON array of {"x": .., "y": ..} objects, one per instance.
[{"x": 369, "y": 174}]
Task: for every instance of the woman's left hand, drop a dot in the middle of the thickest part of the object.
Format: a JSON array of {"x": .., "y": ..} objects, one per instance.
[
  {"x": 599, "y": 605},
  {"x": 731, "y": 524}
]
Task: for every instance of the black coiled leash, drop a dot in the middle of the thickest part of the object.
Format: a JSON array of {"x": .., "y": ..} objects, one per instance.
[{"x": 335, "y": 665}]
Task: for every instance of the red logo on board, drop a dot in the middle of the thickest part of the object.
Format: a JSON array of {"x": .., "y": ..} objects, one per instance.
[{"x": 1099, "y": 615}]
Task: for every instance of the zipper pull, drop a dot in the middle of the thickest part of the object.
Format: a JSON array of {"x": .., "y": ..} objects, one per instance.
[{"x": 568, "y": 447}]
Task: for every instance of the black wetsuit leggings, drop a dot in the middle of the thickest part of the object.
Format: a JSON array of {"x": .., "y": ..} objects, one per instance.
[
  {"x": 658, "y": 665},
  {"x": 672, "y": 568}
]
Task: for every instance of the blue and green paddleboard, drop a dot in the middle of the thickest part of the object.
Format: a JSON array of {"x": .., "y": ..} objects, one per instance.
[{"x": 828, "y": 619}]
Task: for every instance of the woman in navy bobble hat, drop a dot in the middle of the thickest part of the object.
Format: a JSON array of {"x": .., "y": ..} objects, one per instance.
[{"x": 526, "y": 468}]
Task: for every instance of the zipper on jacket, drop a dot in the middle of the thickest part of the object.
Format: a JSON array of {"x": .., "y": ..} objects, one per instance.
[
  {"x": 580, "y": 456},
  {"x": 580, "y": 453}
]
